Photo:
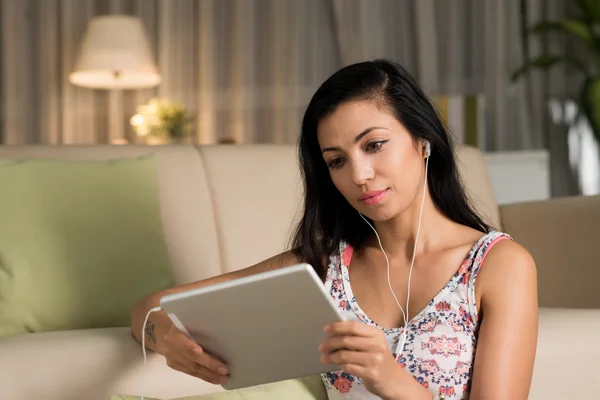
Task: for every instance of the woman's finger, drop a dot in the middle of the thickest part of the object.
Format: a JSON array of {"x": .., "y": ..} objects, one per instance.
[
  {"x": 195, "y": 353},
  {"x": 360, "y": 358},
  {"x": 354, "y": 328},
  {"x": 204, "y": 373},
  {"x": 194, "y": 370},
  {"x": 199, "y": 356},
  {"x": 357, "y": 370},
  {"x": 356, "y": 343}
]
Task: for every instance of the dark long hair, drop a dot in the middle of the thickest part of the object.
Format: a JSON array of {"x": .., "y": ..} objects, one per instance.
[{"x": 327, "y": 217}]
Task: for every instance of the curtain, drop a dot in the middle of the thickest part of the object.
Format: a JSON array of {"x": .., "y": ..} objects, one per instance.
[
  {"x": 463, "y": 53},
  {"x": 247, "y": 68},
  {"x": 455, "y": 49},
  {"x": 244, "y": 68}
]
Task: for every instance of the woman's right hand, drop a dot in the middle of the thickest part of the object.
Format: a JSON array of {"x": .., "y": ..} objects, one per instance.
[{"x": 183, "y": 354}]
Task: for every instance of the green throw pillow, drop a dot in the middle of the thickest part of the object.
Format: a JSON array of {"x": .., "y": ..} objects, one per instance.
[
  {"x": 80, "y": 243},
  {"x": 309, "y": 388}
]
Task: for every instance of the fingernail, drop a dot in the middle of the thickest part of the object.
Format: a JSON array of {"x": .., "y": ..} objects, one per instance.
[
  {"x": 223, "y": 380},
  {"x": 326, "y": 329},
  {"x": 222, "y": 370}
]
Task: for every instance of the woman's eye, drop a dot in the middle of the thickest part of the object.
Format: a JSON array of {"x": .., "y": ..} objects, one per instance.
[
  {"x": 374, "y": 146},
  {"x": 335, "y": 163}
]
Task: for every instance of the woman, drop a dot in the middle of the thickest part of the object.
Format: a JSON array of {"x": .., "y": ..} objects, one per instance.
[{"x": 439, "y": 305}]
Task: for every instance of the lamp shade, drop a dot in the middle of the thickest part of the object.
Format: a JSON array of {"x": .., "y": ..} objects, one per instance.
[{"x": 115, "y": 54}]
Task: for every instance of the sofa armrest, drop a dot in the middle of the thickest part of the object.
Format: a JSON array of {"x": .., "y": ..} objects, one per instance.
[
  {"x": 87, "y": 364},
  {"x": 563, "y": 236}
]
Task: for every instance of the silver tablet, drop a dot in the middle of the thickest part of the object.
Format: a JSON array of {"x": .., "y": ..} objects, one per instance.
[{"x": 266, "y": 327}]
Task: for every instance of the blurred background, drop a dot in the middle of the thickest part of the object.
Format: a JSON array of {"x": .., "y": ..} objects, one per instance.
[{"x": 242, "y": 71}]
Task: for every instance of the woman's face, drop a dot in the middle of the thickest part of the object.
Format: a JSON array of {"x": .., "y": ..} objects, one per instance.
[{"x": 372, "y": 159}]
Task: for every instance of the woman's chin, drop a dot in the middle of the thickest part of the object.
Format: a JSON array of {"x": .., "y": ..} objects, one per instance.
[{"x": 378, "y": 214}]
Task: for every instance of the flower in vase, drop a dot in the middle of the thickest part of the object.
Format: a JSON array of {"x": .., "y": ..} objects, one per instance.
[{"x": 161, "y": 121}]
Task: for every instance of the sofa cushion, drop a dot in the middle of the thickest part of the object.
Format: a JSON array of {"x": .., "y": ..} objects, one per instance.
[
  {"x": 308, "y": 388},
  {"x": 90, "y": 364},
  {"x": 94, "y": 364},
  {"x": 567, "y": 354},
  {"x": 80, "y": 243},
  {"x": 185, "y": 198}
]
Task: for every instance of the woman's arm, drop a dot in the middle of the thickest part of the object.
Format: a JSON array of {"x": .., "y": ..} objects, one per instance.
[
  {"x": 508, "y": 332},
  {"x": 159, "y": 323}
]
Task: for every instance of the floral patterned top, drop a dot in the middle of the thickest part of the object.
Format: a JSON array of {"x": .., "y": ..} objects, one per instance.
[{"x": 441, "y": 339}]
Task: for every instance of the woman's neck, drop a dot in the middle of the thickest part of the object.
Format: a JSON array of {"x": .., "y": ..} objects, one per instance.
[{"x": 398, "y": 235}]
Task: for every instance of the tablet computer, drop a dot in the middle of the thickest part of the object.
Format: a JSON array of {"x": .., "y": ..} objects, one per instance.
[{"x": 266, "y": 327}]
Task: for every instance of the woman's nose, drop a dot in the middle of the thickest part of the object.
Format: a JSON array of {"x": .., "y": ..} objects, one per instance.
[{"x": 362, "y": 172}]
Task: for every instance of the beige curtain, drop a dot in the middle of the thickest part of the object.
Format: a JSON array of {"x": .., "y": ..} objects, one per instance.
[
  {"x": 469, "y": 48},
  {"x": 244, "y": 68},
  {"x": 455, "y": 48},
  {"x": 247, "y": 68}
]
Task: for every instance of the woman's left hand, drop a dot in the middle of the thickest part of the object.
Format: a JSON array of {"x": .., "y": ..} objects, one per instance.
[{"x": 361, "y": 350}]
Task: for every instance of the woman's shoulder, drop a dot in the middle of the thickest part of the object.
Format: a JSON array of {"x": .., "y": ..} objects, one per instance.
[
  {"x": 505, "y": 263},
  {"x": 489, "y": 240},
  {"x": 500, "y": 247}
]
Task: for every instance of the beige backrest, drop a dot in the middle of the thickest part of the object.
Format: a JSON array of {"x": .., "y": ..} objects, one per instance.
[
  {"x": 476, "y": 178},
  {"x": 562, "y": 236},
  {"x": 225, "y": 207},
  {"x": 257, "y": 193}
]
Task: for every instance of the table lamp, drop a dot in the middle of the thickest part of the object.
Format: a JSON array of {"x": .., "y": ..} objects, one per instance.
[{"x": 115, "y": 54}]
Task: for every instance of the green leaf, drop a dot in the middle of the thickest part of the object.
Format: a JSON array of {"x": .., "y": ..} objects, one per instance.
[
  {"x": 591, "y": 9},
  {"x": 572, "y": 26},
  {"x": 590, "y": 100},
  {"x": 545, "y": 62}
]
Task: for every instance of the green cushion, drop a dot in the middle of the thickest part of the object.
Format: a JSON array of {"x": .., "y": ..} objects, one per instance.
[
  {"x": 309, "y": 388},
  {"x": 80, "y": 243}
]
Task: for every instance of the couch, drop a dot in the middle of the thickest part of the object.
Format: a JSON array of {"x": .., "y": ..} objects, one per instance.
[{"x": 224, "y": 207}]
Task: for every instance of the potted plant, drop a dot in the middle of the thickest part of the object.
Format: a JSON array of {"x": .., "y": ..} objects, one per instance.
[{"x": 585, "y": 28}]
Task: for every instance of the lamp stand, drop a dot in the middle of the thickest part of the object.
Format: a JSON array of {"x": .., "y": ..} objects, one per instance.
[{"x": 116, "y": 114}]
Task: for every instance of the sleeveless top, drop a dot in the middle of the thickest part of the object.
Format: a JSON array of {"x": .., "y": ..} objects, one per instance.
[{"x": 440, "y": 343}]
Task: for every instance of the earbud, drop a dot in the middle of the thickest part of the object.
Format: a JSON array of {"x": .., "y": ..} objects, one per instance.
[{"x": 427, "y": 147}]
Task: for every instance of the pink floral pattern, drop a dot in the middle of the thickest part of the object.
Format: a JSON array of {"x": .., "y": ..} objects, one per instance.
[{"x": 441, "y": 339}]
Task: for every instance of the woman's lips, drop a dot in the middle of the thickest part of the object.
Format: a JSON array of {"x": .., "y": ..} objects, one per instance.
[{"x": 373, "y": 197}]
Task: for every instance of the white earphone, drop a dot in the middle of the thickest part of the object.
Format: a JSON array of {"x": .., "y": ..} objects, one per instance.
[{"x": 400, "y": 346}]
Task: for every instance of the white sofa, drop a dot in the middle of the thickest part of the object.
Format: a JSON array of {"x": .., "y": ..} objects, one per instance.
[{"x": 226, "y": 207}]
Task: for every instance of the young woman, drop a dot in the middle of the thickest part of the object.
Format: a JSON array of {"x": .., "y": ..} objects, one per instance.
[{"x": 439, "y": 304}]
